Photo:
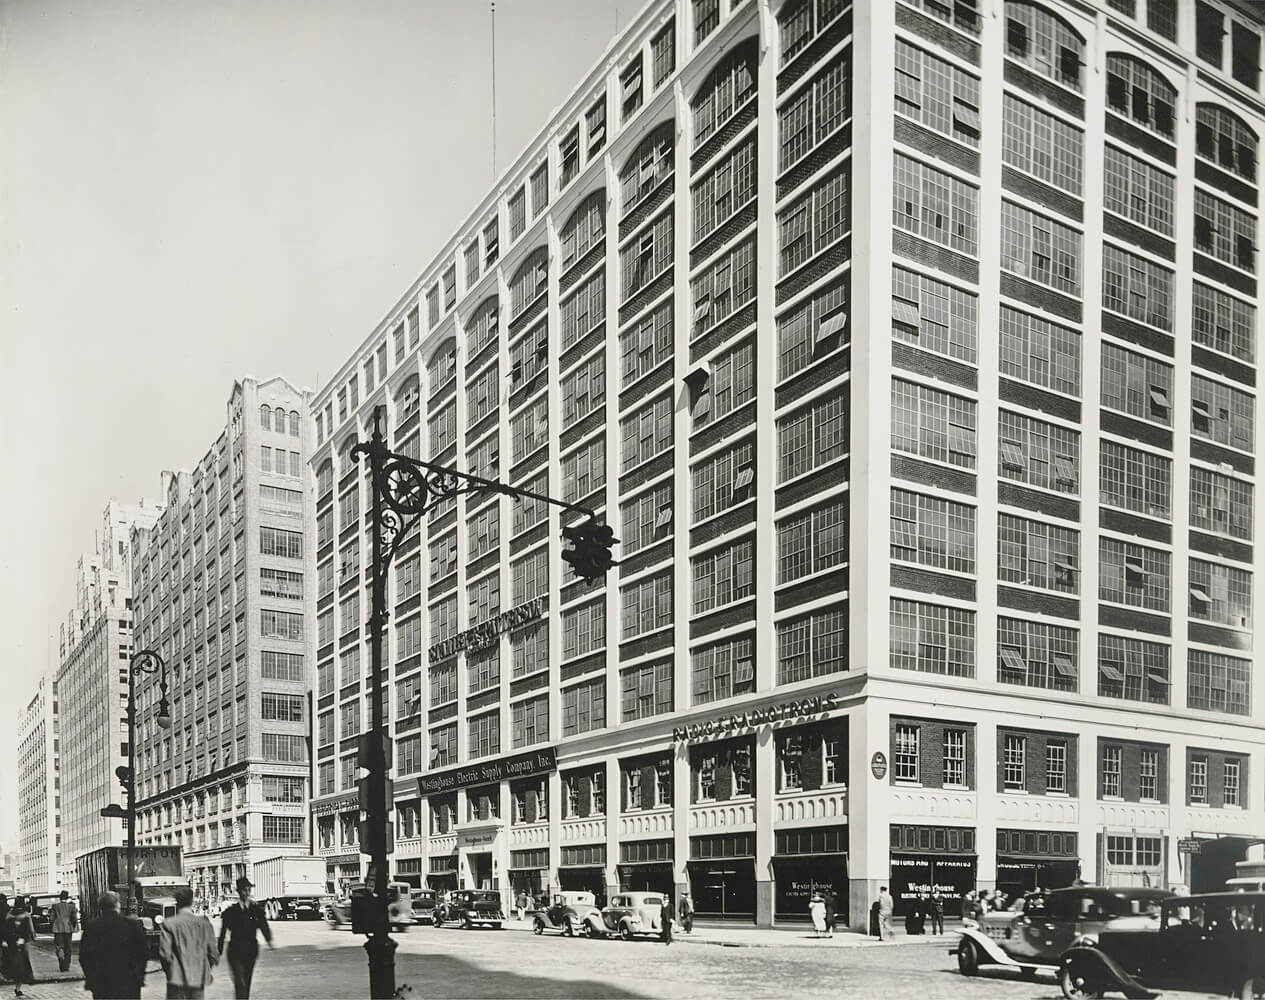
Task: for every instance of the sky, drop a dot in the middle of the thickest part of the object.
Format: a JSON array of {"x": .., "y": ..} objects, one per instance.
[{"x": 195, "y": 191}]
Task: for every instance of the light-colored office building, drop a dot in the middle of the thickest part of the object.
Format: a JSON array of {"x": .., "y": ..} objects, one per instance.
[
  {"x": 39, "y": 792},
  {"x": 776, "y": 282},
  {"x": 95, "y": 644},
  {"x": 219, "y": 592}
]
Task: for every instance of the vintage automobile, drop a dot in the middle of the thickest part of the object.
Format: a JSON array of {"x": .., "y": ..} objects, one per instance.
[
  {"x": 424, "y": 902},
  {"x": 627, "y": 914},
  {"x": 337, "y": 911},
  {"x": 1036, "y": 933},
  {"x": 1211, "y": 943},
  {"x": 567, "y": 913},
  {"x": 471, "y": 908}
]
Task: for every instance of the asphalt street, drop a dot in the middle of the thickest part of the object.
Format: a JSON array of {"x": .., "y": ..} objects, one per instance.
[{"x": 314, "y": 961}]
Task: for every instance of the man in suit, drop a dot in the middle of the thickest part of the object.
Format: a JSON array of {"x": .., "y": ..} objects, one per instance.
[
  {"x": 186, "y": 948},
  {"x": 65, "y": 923},
  {"x": 240, "y": 922},
  {"x": 112, "y": 954}
]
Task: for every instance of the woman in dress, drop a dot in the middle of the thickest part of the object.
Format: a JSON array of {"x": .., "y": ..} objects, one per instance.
[
  {"x": 817, "y": 910},
  {"x": 18, "y": 929}
]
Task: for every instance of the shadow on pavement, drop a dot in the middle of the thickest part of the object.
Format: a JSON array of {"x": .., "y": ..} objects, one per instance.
[{"x": 301, "y": 970}]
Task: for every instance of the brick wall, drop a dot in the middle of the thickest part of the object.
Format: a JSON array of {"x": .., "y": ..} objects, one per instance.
[
  {"x": 931, "y": 749},
  {"x": 1035, "y": 760}
]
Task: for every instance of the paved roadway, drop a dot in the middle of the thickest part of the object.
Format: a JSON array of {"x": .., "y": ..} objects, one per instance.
[{"x": 313, "y": 961}]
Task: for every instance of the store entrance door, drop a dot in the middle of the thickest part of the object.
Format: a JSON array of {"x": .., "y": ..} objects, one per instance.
[
  {"x": 724, "y": 889},
  {"x": 481, "y": 870}
]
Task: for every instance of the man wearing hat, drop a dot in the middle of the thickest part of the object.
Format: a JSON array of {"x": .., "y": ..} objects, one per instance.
[{"x": 240, "y": 921}]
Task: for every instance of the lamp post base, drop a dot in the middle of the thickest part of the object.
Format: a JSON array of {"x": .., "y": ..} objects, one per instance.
[{"x": 381, "y": 950}]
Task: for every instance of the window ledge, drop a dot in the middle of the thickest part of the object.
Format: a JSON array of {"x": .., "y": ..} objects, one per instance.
[
  {"x": 907, "y": 784},
  {"x": 649, "y": 632},
  {"x": 957, "y": 788},
  {"x": 821, "y": 574},
  {"x": 1015, "y": 791},
  {"x": 783, "y": 484},
  {"x": 1140, "y": 225}
]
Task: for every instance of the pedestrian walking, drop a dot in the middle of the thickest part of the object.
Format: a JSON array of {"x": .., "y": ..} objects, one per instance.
[
  {"x": 65, "y": 923},
  {"x": 241, "y": 922},
  {"x": 112, "y": 953},
  {"x": 828, "y": 897},
  {"x": 18, "y": 929},
  {"x": 817, "y": 911},
  {"x": 520, "y": 901},
  {"x": 885, "y": 907},
  {"x": 687, "y": 913},
  {"x": 186, "y": 949},
  {"x": 937, "y": 912},
  {"x": 665, "y": 919}
]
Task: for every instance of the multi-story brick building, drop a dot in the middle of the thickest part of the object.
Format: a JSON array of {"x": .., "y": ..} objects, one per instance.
[
  {"x": 219, "y": 592},
  {"x": 39, "y": 792},
  {"x": 95, "y": 643},
  {"x": 731, "y": 296}
]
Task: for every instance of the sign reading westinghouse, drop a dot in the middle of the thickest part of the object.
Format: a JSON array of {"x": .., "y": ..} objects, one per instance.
[
  {"x": 751, "y": 718},
  {"x": 486, "y": 633},
  {"x": 519, "y": 766}
]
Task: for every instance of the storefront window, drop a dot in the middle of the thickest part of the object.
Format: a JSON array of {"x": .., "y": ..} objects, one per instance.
[
  {"x": 598, "y": 793},
  {"x": 832, "y": 773},
  {"x": 633, "y": 780},
  {"x": 790, "y": 751},
  {"x": 663, "y": 782},
  {"x": 742, "y": 771},
  {"x": 707, "y": 779},
  {"x": 571, "y": 802}
]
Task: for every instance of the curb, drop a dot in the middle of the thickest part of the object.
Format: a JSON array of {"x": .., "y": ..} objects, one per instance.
[
  {"x": 73, "y": 978},
  {"x": 849, "y": 945}
]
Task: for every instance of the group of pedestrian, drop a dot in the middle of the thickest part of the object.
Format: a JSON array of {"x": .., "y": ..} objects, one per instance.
[
  {"x": 821, "y": 908},
  {"x": 16, "y": 929}
]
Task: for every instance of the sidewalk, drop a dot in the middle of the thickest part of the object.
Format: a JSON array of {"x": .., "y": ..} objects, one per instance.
[
  {"x": 790, "y": 936},
  {"x": 44, "y": 961}
]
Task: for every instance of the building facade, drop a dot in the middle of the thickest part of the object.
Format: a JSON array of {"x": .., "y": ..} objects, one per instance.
[
  {"x": 94, "y": 647},
  {"x": 653, "y": 315},
  {"x": 39, "y": 792},
  {"x": 219, "y": 592}
]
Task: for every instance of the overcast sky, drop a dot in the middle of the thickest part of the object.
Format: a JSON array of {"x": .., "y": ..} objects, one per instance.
[{"x": 199, "y": 190}]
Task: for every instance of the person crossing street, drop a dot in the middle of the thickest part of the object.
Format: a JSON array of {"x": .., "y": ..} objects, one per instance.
[
  {"x": 241, "y": 922},
  {"x": 65, "y": 923}
]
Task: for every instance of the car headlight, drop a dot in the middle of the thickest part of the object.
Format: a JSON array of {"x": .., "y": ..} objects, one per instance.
[{"x": 158, "y": 919}]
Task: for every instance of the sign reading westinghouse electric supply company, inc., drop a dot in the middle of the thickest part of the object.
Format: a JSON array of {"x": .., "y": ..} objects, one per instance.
[
  {"x": 519, "y": 766},
  {"x": 486, "y": 633},
  {"x": 751, "y": 718}
]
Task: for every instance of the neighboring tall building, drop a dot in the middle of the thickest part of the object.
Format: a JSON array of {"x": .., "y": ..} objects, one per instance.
[
  {"x": 219, "y": 592},
  {"x": 39, "y": 792},
  {"x": 1046, "y": 671},
  {"x": 96, "y": 642}
]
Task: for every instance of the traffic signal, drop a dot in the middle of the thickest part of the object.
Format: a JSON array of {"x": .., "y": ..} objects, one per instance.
[{"x": 590, "y": 552}]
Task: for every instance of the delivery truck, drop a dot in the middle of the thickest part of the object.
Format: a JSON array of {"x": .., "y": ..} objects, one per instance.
[
  {"x": 158, "y": 870},
  {"x": 290, "y": 886}
]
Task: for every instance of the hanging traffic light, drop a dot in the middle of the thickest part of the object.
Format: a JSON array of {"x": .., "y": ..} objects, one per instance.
[{"x": 590, "y": 552}]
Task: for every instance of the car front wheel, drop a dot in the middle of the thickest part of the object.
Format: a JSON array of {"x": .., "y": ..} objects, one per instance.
[
  {"x": 1076, "y": 986},
  {"x": 567, "y": 930},
  {"x": 968, "y": 960},
  {"x": 538, "y": 927},
  {"x": 625, "y": 932}
]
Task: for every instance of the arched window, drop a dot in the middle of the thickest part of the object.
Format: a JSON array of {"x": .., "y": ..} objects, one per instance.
[
  {"x": 529, "y": 281},
  {"x": 294, "y": 423},
  {"x": 649, "y": 166},
  {"x": 408, "y": 398},
  {"x": 345, "y": 461},
  {"x": 1045, "y": 43},
  {"x": 442, "y": 367},
  {"x": 280, "y": 420},
  {"x": 585, "y": 228},
  {"x": 1222, "y": 137},
  {"x": 325, "y": 478},
  {"x": 482, "y": 326},
  {"x": 726, "y": 90},
  {"x": 1138, "y": 92},
  {"x": 265, "y": 417}
]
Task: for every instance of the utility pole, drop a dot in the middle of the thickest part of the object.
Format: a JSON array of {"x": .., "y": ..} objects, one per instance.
[{"x": 401, "y": 490}]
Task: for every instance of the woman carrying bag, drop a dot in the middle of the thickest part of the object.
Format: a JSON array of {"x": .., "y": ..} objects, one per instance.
[{"x": 18, "y": 929}]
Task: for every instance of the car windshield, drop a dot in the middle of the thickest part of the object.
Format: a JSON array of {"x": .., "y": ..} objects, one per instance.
[{"x": 486, "y": 897}]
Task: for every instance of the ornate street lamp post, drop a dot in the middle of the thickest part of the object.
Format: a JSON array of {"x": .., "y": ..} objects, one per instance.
[
  {"x": 402, "y": 489},
  {"x": 146, "y": 661}
]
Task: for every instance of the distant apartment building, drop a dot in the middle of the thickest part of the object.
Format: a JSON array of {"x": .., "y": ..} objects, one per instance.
[
  {"x": 219, "y": 591},
  {"x": 94, "y": 648},
  {"x": 773, "y": 277},
  {"x": 39, "y": 794}
]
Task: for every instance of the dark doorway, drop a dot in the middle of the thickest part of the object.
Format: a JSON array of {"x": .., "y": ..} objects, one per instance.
[
  {"x": 723, "y": 890},
  {"x": 584, "y": 880},
  {"x": 481, "y": 871},
  {"x": 655, "y": 877},
  {"x": 1214, "y": 864}
]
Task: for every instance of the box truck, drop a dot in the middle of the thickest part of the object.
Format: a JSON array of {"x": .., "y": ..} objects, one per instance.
[
  {"x": 290, "y": 886},
  {"x": 158, "y": 869}
]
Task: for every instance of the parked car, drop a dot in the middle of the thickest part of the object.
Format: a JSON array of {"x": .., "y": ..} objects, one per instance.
[
  {"x": 567, "y": 913},
  {"x": 40, "y": 906},
  {"x": 1211, "y": 943},
  {"x": 627, "y": 914},
  {"x": 424, "y": 903},
  {"x": 471, "y": 908},
  {"x": 1036, "y": 933}
]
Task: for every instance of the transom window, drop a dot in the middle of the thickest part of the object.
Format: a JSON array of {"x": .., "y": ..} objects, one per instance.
[
  {"x": 1044, "y": 43},
  {"x": 1138, "y": 92},
  {"x": 1222, "y": 138}
]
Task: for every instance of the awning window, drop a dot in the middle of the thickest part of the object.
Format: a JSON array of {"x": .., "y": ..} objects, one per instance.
[
  {"x": 1065, "y": 666},
  {"x": 1111, "y": 671},
  {"x": 1012, "y": 456},
  {"x": 906, "y": 313},
  {"x": 831, "y": 324},
  {"x": 1013, "y": 661}
]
